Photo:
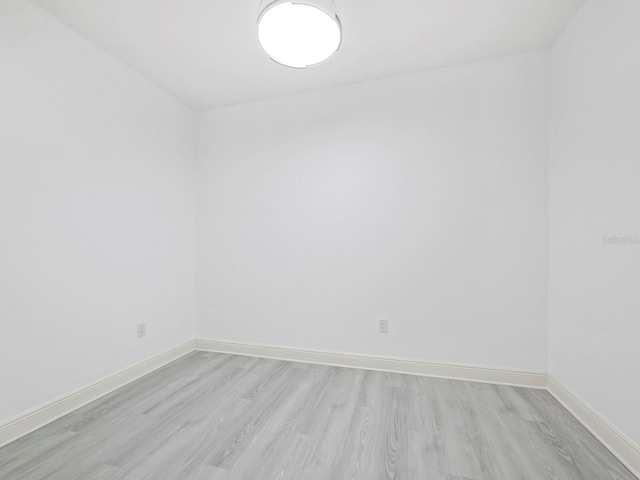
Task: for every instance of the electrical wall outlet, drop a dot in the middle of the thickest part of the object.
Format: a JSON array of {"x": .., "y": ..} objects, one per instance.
[
  {"x": 383, "y": 326},
  {"x": 142, "y": 329}
]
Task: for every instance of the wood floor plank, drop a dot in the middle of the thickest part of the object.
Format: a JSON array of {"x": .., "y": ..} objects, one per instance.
[
  {"x": 214, "y": 416},
  {"x": 207, "y": 472},
  {"x": 460, "y": 430}
]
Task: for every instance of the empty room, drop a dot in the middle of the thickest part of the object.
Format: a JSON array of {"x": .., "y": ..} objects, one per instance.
[{"x": 319, "y": 240}]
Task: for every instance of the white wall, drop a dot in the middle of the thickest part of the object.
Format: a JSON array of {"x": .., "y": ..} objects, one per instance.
[
  {"x": 595, "y": 192},
  {"x": 97, "y": 212},
  {"x": 420, "y": 199}
]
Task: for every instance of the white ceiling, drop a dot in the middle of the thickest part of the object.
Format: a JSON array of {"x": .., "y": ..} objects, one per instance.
[{"x": 205, "y": 52}]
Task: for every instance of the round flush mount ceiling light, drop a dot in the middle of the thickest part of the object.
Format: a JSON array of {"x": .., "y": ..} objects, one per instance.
[{"x": 301, "y": 33}]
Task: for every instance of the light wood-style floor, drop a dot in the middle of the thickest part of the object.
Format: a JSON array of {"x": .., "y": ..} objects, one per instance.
[{"x": 212, "y": 416}]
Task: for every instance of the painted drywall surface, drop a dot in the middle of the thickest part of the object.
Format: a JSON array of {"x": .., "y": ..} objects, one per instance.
[
  {"x": 97, "y": 210},
  {"x": 594, "y": 296},
  {"x": 418, "y": 199}
]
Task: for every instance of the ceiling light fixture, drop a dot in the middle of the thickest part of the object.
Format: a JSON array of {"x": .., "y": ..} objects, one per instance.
[{"x": 299, "y": 34}]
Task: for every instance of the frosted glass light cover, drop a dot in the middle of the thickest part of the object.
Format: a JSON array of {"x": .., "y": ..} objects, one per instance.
[{"x": 298, "y": 35}]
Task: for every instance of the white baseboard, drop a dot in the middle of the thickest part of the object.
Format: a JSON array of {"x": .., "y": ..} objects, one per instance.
[
  {"x": 40, "y": 416},
  {"x": 473, "y": 373},
  {"x": 611, "y": 437},
  {"x": 608, "y": 434}
]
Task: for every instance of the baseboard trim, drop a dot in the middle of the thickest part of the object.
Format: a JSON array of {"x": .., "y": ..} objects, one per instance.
[
  {"x": 38, "y": 417},
  {"x": 608, "y": 434},
  {"x": 472, "y": 373}
]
